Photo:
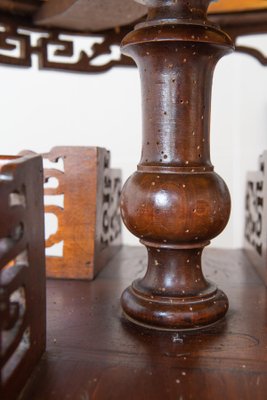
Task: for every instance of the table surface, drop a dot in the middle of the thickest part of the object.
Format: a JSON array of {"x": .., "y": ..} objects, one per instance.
[{"x": 93, "y": 353}]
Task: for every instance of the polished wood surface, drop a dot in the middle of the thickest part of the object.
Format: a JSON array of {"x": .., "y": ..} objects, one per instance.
[
  {"x": 94, "y": 353},
  {"x": 175, "y": 202}
]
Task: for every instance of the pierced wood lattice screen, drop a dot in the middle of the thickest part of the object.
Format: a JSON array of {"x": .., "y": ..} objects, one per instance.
[{"x": 22, "y": 271}]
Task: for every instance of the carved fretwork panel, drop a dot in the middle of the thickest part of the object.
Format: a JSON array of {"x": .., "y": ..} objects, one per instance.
[
  {"x": 109, "y": 214},
  {"x": 256, "y": 217},
  {"x": 83, "y": 193},
  {"x": 59, "y": 50},
  {"x": 22, "y": 271}
]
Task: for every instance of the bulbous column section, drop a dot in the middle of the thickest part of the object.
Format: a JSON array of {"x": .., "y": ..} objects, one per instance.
[{"x": 175, "y": 203}]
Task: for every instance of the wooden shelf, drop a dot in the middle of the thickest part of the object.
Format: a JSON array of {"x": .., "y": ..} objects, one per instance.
[{"x": 93, "y": 353}]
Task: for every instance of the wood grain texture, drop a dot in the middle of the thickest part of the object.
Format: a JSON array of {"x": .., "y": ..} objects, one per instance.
[
  {"x": 94, "y": 353},
  {"x": 89, "y": 225},
  {"x": 22, "y": 271},
  {"x": 175, "y": 202}
]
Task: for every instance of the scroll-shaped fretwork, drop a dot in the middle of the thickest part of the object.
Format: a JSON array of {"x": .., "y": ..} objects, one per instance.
[
  {"x": 253, "y": 53},
  {"x": 59, "y": 50},
  {"x": 256, "y": 218},
  {"x": 22, "y": 271},
  {"x": 86, "y": 210}
]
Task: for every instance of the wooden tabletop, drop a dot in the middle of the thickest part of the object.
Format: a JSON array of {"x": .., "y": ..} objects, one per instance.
[{"x": 93, "y": 353}]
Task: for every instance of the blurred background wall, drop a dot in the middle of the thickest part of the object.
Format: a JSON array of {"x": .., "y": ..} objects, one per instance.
[{"x": 42, "y": 109}]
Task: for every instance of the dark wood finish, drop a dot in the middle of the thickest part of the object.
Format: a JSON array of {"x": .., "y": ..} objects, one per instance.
[
  {"x": 89, "y": 223},
  {"x": 175, "y": 203},
  {"x": 94, "y": 353},
  {"x": 20, "y": 7},
  {"x": 234, "y": 23},
  {"x": 22, "y": 272},
  {"x": 65, "y": 48},
  {"x": 88, "y": 15}
]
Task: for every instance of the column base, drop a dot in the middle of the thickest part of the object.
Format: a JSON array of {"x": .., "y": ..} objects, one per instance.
[{"x": 174, "y": 313}]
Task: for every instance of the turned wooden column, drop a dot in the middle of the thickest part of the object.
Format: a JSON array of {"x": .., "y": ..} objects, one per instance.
[{"x": 175, "y": 203}]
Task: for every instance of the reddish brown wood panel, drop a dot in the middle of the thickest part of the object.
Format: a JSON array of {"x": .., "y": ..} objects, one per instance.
[
  {"x": 89, "y": 225},
  {"x": 22, "y": 271},
  {"x": 93, "y": 353}
]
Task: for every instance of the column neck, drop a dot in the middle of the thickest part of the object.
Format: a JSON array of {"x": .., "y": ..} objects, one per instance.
[
  {"x": 176, "y": 61},
  {"x": 175, "y": 10}
]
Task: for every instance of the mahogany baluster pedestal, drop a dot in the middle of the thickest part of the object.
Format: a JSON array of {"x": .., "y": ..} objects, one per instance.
[{"x": 175, "y": 203}]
